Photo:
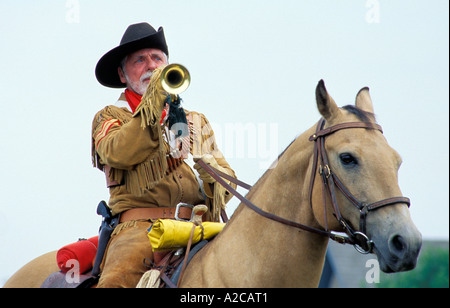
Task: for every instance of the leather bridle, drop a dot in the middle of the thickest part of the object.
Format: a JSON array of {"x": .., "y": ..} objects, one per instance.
[{"x": 329, "y": 181}]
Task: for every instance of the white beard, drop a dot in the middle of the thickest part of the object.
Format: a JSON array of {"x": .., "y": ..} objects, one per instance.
[{"x": 139, "y": 86}]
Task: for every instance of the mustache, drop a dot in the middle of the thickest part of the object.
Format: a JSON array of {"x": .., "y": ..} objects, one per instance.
[{"x": 145, "y": 76}]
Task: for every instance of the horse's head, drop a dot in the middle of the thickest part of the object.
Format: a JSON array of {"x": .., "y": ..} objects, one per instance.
[{"x": 367, "y": 168}]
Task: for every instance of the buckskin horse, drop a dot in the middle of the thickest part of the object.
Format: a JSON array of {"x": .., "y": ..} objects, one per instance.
[{"x": 345, "y": 189}]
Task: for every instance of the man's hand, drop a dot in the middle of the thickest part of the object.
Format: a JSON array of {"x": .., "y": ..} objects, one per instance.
[{"x": 210, "y": 161}]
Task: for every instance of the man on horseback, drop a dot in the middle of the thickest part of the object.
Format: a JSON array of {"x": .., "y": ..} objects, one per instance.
[{"x": 147, "y": 166}]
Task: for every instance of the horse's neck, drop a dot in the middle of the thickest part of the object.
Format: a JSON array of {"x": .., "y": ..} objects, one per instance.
[
  {"x": 297, "y": 255},
  {"x": 253, "y": 251}
]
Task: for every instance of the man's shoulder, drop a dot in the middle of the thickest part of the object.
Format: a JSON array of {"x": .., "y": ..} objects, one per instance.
[{"x": 109, "y": 112}]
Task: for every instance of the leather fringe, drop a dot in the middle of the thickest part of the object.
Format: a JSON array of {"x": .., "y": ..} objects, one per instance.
[
  {"x": 150, "y": 279},
  {"x": 218, "y": 201},
  {"x": 152, "y": 102},
  {"x": 124, "y": 225},
  {"x": 147, "y": 174}
]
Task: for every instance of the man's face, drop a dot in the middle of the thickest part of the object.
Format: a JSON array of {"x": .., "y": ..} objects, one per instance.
[{"x": 138, "y": 68}]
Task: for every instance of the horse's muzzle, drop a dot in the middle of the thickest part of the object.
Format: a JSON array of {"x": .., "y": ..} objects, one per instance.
[{"x": 399, "y": 253}]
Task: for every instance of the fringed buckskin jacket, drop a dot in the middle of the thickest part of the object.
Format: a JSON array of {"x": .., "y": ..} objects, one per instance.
[{"x": 144, "y": 170}]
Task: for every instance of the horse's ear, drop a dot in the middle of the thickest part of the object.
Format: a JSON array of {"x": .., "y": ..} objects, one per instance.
[
  {"x": 363, "y": 100},
  {"x": 325, "y": 103}
]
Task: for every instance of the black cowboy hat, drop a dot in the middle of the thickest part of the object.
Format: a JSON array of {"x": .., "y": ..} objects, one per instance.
[{"x": 137, "y": 36}]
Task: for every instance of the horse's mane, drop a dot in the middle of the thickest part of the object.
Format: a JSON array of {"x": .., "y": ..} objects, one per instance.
[{"x": 364, "y": 116}]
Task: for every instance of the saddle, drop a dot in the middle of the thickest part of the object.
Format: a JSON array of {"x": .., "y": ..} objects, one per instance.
[{"x": 167, "y": 270}]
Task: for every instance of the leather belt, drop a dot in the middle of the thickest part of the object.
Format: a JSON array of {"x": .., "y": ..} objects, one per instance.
[{"x": 180, "y": 212}]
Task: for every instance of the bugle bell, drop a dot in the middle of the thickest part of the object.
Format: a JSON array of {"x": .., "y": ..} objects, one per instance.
[{"x": 175, "y": 78}]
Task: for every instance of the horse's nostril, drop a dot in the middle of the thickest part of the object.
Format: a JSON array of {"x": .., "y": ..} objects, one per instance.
[{"x": 397, "y": 244}]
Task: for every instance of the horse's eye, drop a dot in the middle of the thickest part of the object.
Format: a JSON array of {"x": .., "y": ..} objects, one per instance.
[{"x": 348, "y": 159}]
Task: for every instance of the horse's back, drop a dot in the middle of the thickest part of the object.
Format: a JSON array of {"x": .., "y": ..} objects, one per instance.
[{"x": 33, "y": 274}]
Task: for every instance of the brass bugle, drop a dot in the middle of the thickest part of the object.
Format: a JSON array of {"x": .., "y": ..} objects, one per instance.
[{"x": 175, "y": 78}]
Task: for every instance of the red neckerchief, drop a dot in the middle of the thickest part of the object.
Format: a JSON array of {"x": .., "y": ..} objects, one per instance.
[{"x": 133, "y": 99}]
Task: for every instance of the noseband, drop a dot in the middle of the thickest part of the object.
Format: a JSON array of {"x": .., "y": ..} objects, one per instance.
[{"x": 330, "y": 180}]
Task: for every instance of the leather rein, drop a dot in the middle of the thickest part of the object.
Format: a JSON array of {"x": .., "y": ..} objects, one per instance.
[{"x": 330, "y": 180}]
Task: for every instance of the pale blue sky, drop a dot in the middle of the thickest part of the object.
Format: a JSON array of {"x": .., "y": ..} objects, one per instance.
[{"x": 254, "y": 65}]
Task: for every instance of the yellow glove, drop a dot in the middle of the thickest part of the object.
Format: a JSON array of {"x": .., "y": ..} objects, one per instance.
[{"x": 210, "y": 161}]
